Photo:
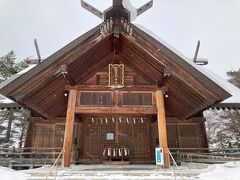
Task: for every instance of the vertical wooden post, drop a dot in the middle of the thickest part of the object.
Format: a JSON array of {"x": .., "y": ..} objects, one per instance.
[
  {"x": 162, "y": 126},
  {"x": 68, "y": 135}
]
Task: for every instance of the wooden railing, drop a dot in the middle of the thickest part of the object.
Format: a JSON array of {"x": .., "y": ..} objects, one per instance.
[
  {"x": 28, "y": 157},
  {"x": 206, "y": 155},
  {"x": 37, "y": 157}
]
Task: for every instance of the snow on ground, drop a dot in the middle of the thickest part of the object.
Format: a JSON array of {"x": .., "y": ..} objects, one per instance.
[
  {"x": 228, "y": 171},
  {"x": 10, "y": 174},
  {"x": 190, "y": 171}
]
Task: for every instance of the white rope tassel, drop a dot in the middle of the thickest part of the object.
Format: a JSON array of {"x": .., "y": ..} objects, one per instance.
[
  {"x": 134, "y": 120},
  {"x": 120, "y": 152},
  {"x": 109, "y": 152},
  {"x": 127, "y": 120},
  {"x": 104, "y": 151},
  {"x": 113, "y": 120},
  {"x": 125, "y": 152},
  {"x": 106, "y": 120},
  {"x": 114, "y": 152},
  {"x": 120, "y": 119},
  {"x": 141, "y": 120},
  {"x": 93, "y": 120}
]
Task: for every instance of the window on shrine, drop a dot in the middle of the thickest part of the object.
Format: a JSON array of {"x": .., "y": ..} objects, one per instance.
[
  {"x": 136, "y": 98},
  {"x": 95, "y": 99}
]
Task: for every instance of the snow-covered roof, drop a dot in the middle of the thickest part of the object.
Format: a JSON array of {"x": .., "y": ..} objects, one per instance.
[
  {"x": 229, "y": 87},
  {"x": 5, "y": 100},
  {"x": 133, "y": 10},
  {"x": 14, "y": 77}
]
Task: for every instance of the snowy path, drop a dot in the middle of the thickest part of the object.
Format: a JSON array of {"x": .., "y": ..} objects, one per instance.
[{"x": 228, "y": 171}]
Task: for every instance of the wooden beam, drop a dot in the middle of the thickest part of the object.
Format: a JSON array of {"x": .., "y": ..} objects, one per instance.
[
  {"x": 162, "y": 127},
  {"x": 117, "y": 3},
  {"x": 116, "y": 110},
  {"x": 127, "y": 88},
  {"x": 68, "y": 135}
]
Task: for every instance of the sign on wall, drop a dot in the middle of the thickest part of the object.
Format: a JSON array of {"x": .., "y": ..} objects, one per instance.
[
  {"x": 110, "y": 136},
  {"x": 159, "y": 156}
]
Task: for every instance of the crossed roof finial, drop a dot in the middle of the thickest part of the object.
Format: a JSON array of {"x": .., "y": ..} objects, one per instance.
[{"x": 119, "y": 8}]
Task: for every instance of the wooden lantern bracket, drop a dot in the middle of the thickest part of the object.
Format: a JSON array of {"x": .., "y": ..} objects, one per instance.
[
  {"x": 64, "y": 71},
  {"x": 166, "y": 76}
]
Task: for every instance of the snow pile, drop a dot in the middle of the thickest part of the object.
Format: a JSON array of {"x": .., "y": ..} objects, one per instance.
[
  {"x": 10, "y": 174},
  {"x": 228, "y": 171},
  {"x": 133, "y": 11}
]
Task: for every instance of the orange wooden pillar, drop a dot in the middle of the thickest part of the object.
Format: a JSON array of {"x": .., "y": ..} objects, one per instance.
[
  {"x": 162, "y": 126},
  {"x": 68, "y": 135}
]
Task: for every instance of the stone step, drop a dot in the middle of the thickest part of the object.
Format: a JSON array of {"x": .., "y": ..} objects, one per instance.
[{"x": 114, "y": 172}]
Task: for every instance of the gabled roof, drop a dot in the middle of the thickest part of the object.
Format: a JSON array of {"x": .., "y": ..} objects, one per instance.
[{"x": 190, "y": 90}]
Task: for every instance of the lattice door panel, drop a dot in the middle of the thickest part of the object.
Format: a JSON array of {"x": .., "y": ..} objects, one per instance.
[
  {"x": 172, "y": 136},
  {"x": 134, "y": 133},
  {"x": 95, "y": 136},
  {"x": 44, "y": 136},
  {"x": 59, "y": 135},
  {"x": 189, "y": 136}
]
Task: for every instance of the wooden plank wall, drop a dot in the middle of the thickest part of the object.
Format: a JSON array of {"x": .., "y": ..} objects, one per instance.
[
  {"x": 184, "y": 134},
  {"x": 130, "y": 78},
  {"x": 141, "y": 137}
]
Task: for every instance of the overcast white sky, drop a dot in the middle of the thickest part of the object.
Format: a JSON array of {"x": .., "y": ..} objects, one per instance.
[{"x": 180, "y": 23}]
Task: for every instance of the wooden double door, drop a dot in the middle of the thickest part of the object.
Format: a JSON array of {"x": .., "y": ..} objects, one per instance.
[{"x": 133, "y": 132}]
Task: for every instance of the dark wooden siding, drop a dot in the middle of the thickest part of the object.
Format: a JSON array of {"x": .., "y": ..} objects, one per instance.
[
  {"x": 183, "y": 134},
  {"x": 95, "y": 98},
  {"x": 133, "y": 98},
  {"x": 130, "y": 78}
]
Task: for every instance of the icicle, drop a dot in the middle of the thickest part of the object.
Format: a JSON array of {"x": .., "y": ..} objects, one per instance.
[
  {"x": 125, "y": 25},
  {"x": 105, "y": 28},
  {"x": 108, "y": 25},
  {"x": 128, "y": 28},
  {"x": 122, "y": 20},
  {"x": 102, "y": 31},
  {"x": 131, "y": 31},
  {"x": 111, "y": 23}
]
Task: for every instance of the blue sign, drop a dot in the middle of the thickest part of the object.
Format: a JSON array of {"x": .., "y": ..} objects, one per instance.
[{"x": 159, "y": 156}]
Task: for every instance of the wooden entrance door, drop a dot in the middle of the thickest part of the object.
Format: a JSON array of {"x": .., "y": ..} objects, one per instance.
[{"x": 133, "y": 132}]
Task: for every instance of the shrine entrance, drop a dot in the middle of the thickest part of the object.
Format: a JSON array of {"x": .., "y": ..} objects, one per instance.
[{"x": 116, "y": 138}]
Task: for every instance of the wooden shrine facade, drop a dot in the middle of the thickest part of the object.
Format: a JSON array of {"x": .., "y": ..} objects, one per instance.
[{"x": 115, "y": 85}]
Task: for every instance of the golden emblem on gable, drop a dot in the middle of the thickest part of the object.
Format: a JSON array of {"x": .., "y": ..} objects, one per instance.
[{"x": 116, "y": 76}]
